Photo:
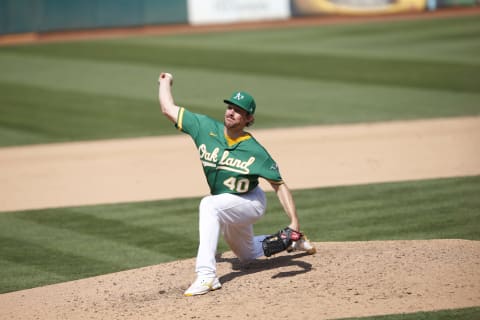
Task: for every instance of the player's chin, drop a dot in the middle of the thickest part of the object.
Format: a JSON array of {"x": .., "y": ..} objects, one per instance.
[{"x": 230, "y": 123}]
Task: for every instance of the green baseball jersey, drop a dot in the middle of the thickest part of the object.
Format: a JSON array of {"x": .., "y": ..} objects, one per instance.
[{"x": 229, "y": 168}]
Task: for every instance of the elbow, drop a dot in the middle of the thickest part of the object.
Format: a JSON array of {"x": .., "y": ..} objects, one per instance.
[
  {"x": 165, "y": 107},
  {"x": 164, "y": 111},
  {"x": 169, "y": 111},
  {"x": 168, "y": 115}
]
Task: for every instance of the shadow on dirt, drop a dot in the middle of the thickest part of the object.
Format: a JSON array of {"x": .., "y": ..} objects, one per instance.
[{"x": 242, "y": 269}]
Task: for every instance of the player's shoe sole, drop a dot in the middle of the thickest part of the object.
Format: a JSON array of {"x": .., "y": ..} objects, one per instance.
[{"x": 202, "y": 286}]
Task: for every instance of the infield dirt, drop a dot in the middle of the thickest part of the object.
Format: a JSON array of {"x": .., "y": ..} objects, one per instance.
[{"x": 113, "y": 171}]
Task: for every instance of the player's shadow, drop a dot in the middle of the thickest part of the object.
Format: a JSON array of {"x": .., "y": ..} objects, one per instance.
[{"x": 242, "y": 269}]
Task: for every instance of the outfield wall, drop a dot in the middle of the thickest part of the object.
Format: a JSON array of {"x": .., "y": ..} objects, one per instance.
[
  {"x": 23, "y": 16},
  {"x": 40, "y": 16},
  {"x": 356, "y": 7},
  {"x": 222, "y": 11}
]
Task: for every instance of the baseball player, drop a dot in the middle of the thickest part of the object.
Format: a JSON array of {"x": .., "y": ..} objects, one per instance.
[{"x": 233, "y": 161}]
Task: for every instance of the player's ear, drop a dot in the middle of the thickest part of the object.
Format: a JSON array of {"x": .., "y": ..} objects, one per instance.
[{"x": 250, "y": 119}]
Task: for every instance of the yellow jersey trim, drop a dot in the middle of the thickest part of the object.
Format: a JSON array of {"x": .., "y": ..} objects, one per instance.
[
  {"x": 180, "y": 118},
  {"x": 231, "y": 141}
]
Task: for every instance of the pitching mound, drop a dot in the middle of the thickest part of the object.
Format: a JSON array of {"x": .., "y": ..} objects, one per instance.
[{"x": 343, "y": 279}]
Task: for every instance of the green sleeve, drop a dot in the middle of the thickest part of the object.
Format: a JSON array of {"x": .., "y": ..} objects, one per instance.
[
  {"x": 188, "y": 122},
  {"x": 270, "y": 171}
]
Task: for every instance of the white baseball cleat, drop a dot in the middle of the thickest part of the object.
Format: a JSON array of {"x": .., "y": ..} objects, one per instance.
[
  {"x": 202, "y": 286},
  {"x": 303, "y": 244}
]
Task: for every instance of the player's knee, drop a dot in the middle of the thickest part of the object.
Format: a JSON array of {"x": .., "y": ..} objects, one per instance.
[{"x": 207, "y": 207}]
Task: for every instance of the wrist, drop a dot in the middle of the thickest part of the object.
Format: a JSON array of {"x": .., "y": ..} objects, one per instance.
[{"x": 294, "y": 226}]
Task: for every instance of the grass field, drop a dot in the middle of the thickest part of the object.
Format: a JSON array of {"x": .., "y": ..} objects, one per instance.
[
  {"x": 464, "y": 314},
  {"x": 327, "y": 74}
]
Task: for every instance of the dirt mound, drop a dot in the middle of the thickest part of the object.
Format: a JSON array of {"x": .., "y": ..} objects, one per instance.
[{"x": 343, "y": 279}]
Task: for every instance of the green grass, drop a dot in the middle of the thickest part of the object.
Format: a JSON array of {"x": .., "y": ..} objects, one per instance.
[
  {"x": 41, "y": 247},
  {"x": 457, "y": 314},
  {"x": 328, "y": 74}
]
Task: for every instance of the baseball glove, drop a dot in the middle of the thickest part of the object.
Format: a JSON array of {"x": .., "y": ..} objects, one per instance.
[{"x": 280, "y": 241}]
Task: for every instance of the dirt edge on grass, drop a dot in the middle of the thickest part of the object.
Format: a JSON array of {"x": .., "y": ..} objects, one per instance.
[{"x": 141, "y": 169}]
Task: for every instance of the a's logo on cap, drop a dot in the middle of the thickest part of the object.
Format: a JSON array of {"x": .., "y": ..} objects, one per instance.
[{"x": 238, "y": 96}]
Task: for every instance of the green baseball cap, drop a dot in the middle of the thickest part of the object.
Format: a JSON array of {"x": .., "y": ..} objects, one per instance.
[{"x": 243, "y": 100}]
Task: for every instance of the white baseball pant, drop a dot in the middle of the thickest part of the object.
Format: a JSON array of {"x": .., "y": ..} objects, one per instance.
[{"x": 234, "y": 216}]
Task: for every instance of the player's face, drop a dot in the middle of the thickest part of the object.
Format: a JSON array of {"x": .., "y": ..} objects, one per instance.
[{"x": 236, "y": 117}]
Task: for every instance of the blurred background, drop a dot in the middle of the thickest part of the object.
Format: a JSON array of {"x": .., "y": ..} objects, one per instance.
[{"x": 26, "y": 16}]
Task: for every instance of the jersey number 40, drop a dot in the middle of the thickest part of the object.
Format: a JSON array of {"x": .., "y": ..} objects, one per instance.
[{"x": 239, "y": 185}]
